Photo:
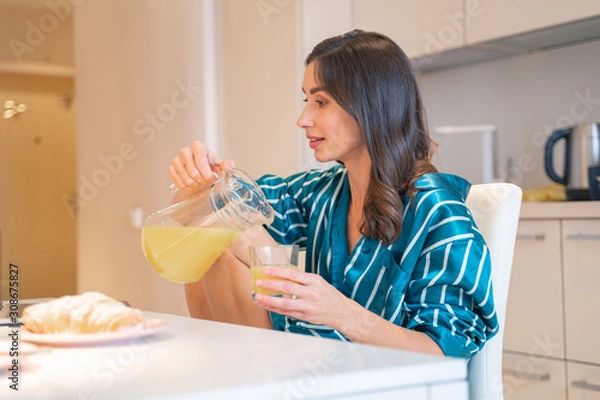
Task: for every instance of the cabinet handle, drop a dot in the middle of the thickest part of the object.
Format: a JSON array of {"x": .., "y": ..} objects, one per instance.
[
  {"x": 527, "y": 375},
  {"x": 538, "y": 236},
  {"x": 581, "y": 236},
  {"x": 583, "y": 384}
]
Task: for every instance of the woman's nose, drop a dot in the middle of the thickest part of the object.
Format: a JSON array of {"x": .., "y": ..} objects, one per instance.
[{"x": 304, "y": 120}]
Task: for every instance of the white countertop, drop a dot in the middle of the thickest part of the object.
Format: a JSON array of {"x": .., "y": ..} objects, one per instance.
[
  {"x": 560, "y": 209},
  {"x": 192, "y": 359}
]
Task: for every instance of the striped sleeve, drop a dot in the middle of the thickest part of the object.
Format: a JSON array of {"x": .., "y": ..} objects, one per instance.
[
  {"x": 292, "y": 200},
  {"x": 450, "y": 296}
]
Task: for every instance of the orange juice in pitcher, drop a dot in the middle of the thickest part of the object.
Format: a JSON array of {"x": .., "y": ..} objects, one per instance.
[
  {"x": 183, "y": 253},
  {"x": 182, "y": 241}
]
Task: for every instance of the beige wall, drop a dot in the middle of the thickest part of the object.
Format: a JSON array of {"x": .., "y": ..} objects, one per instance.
[
  {"x": 257, "y": 85},
  {"x": 132, "y": 60},
  {"x": 127, "y": 71},
  {"x": 262, "y": 47},
  {"x": 316, "y": 25},
  {"x": 40, "y": 35}
]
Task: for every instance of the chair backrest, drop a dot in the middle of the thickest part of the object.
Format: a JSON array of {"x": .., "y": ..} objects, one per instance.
[{"x": 495, "y": 208}]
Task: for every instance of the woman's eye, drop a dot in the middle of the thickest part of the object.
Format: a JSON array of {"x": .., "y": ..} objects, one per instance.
[{"x": 319, "y": 103}]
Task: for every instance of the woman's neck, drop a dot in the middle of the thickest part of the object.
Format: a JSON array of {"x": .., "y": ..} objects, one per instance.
[{"x": 359, "y": 176}]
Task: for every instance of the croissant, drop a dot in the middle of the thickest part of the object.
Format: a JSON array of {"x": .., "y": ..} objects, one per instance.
[{"x": 91, "y": 312}]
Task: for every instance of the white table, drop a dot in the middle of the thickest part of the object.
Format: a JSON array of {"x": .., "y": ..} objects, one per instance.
[{"x": 193, "y": 359}]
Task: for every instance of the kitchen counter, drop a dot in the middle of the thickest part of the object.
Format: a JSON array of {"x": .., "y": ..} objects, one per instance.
[
  {"x": 560, "y": 209},
  {"x": 191, "y": 359}
]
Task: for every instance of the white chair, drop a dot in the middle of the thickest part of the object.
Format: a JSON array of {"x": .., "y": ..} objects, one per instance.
[{"x": 495, "y": 208}]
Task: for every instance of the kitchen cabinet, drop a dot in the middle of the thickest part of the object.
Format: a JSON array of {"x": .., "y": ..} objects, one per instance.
[
  {"x": 551, "y": 351},
  {"x": 581, "y": 259},
  {"x": 533, "y": 304},
  {"x": 448, "y": 33},
  {"x": 419, "y": 29},
  {"x": 584, "y": 381},
  {"x": 412, "y": 393},
  {"x": 497, "y": 19},
  {"x": 529, "y": 377}
]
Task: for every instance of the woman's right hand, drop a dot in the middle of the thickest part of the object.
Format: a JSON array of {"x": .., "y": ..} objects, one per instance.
[{"x": 195, "y": 166}]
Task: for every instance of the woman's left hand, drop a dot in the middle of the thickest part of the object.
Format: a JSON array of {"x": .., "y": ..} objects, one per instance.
[{"x": 316, "y": 301}]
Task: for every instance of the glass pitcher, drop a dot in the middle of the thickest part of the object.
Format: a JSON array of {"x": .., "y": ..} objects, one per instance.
[{"x": 181, "y": 242}]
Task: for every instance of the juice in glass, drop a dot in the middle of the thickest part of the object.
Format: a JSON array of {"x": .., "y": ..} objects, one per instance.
[
  {"x": 274, "y": 256},
  {"x": 258, "y": 272}
]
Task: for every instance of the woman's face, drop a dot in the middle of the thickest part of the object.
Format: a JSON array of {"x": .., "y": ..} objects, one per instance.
[{"x": 332, "y": 133}]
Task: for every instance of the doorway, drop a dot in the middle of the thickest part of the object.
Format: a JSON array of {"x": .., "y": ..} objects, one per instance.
[{"x": 37, "y": 176}]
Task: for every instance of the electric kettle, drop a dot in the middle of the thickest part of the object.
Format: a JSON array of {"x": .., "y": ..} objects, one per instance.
[{"x": 582, "y": 150}]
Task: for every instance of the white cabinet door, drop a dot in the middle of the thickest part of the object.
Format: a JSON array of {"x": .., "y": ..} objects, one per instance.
[
  {"x": 419, "y": 27},
  {"x": 583, "y": 381},
  {"x": 417, "y": 393},
  {"x": 446, "y": 391},
  {"x": 581, "y": 252},
  {"x": 493, "y": 19},
  {"x": 528, "y": 377},
  {"x": 442, "y": 391},
  {"x": 534, "y": 311}
]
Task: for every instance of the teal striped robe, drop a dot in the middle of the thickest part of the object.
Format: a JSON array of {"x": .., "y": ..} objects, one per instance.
[{"x": 436, "y": 278}]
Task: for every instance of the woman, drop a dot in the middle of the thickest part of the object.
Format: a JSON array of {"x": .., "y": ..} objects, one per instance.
[{"x": 393, "y": 257}]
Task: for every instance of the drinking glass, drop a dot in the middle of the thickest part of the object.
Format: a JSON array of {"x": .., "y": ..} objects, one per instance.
[{"x": 263, "y": 257}]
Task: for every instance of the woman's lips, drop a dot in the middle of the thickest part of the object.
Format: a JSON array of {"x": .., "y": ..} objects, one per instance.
[{"x": 314, "y": 142}]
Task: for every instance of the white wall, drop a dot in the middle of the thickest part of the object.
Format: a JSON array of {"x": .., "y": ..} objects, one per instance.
[
  {"x": 139, "y": 96},
  {"x": 526, "y": 97}
]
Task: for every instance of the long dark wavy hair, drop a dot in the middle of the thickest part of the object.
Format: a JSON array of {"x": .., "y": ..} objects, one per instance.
[{"x": 371, "y": 78}]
